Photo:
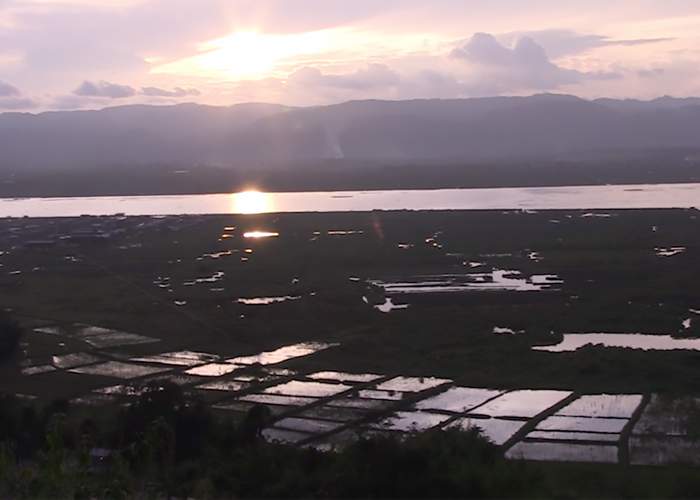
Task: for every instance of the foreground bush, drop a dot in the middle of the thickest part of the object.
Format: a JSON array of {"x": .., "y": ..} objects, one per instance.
[{"x": 10, "y": 333}]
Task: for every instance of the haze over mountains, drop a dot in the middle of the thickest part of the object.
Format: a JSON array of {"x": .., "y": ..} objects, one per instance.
[{"x": 548, "y": 127}]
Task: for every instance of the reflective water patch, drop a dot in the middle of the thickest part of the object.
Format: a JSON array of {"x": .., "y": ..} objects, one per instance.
[
  {"x": 383, "y": 395},
  {"x": 497, "y": 280},
  {"x": 104, "y": 337},
  {"x": 583, "y": 424},
  {"x": 573, "y": 436},
  {"x": 225, "y": 385},
  {"x": 345, "y": 377},
  {"x": 264, "y": 301},
  {"x": 389, "y": 306},
  {"x": 603, "y": 405},
  {"x": 282, "y": 354},
  {"x": 117, "y": 369},
  {"x": 563, "y": 452},
  {"x": 575, "y": 341},
  {"x": 307, "y": 425},
  {"x": 522, "y": 404},
  {"x": 74, "y": 360},
  {"x": 213, "y": 369},
  {"x": 309, "y": 389},
  {"x": 36, "y": 370},
  {"x": 412, "y": 384},
  {"x": 284, "y": 436},
  {"x": 458, "y": 399},
  {"x": 179, "y": 358},
  {"x": 277, "y": 399},
  {"x": 366, "y": 404}
]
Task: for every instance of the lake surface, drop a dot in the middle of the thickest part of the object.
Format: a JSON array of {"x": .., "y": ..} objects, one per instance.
[{"x": 250, "y": 202}]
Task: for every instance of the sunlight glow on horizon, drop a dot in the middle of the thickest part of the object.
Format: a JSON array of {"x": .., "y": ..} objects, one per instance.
[{"x": 249, "y": 54}]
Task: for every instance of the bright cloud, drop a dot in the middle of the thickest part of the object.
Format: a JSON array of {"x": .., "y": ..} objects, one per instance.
[{"x": 69, "y": 53}]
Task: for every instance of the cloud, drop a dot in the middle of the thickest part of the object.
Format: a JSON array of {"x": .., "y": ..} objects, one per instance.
[
  {"x": 496, "y": 69},
  {"x": 176, "y": 92},
  {"x": 7, "y": 90},
  {"x": 17, "y": 103},
  {"x": 104, "y": 89},
  {"x": 372, "y": 77},
  {"x": 11, "y": 99},
  {"x": 560, "y": 43}
]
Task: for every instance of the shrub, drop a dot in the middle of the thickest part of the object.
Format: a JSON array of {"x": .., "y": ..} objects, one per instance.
[{"x": 10, "y": 332}]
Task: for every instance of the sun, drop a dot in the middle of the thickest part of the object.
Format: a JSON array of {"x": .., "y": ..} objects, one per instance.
[{"x": 247, "y": 54}]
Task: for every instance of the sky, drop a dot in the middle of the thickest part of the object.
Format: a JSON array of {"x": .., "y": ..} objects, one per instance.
[{"x": 88, "y": 54}]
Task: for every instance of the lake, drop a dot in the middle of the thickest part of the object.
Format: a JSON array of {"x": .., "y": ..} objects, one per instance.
[{"x": 249, "y": 202}]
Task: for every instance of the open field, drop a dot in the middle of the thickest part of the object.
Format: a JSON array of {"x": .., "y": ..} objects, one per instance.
[{"x": 488, "y": 296}]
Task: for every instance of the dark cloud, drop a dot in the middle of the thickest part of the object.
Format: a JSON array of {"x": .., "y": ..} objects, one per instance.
[
  {"x": 7, "y": 90},
  {"x": 372, "y": 77},
  {"x": 104, "y": 89},
  {"x": 497, "y": 68},
  {"x": 176, "y": 92}
]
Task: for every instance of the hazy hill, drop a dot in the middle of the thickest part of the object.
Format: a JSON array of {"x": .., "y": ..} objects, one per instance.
[{"x": 549, "y": 127}]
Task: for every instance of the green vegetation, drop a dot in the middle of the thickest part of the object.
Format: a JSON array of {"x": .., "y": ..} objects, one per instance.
[{"x": 10, "y": 333}]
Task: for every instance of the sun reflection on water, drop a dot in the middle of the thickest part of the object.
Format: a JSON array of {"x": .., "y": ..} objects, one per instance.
[{"x": 251, "y": 202}]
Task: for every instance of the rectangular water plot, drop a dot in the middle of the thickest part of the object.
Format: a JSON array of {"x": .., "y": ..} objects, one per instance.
[
  {"x": 406, "y": 421},
  {"x": 522, "y": 404},
  {"x": 583, "y": 424},
  {"x": 345, "y": 377},
  {"x": 104, "y": 337},
  {"x": 36, "y": 370},
  {"x": 213, "y": 369},
  {"x": 308, "y": 425},
  {"x": 573, "y": 436},
  {"x": 385, "y": 395},
  {"x": 563, "y": 452},
  {"x": 74, "y": 360},
  {"x": 668, "y": 416},
  {"x": 603, "y": 405},
  {"x": 497, "y": 280},
  {"x": 309, "y": 389},
  {"x": 282, "y": 354},
  {"x": 276, "y": 399},
  {"x": 334, "y": 414},
  {"x": 412, "y": 384},
  {"x": 284, "y": 436},
  {"x": 225, "y": 385},
  {"x": 117, "y": 369},
  {"x": 360, "y": 403},
  {"x": 496, "y": 430},
  {"x": 180, "y": 358},
  {"x": 458, "y": 399}
]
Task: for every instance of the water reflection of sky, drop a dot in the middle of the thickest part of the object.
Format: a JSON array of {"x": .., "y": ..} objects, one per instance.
[{"x": 252, "y": 202}]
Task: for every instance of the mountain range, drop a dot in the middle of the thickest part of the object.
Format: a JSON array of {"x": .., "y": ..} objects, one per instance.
[{"x": 546, "y": 126}]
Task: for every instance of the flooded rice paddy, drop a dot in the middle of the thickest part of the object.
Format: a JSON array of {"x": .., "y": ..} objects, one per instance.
[
  {"x": 480, "y": 306},
  {"x": 328, "y": 409}
]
